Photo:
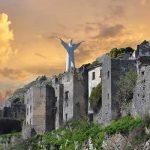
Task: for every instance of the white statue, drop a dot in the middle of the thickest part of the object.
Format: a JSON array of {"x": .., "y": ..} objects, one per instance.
[{"x": 70, "y": 48}]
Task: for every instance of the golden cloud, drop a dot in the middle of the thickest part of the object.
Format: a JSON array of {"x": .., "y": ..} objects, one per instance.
[
  {"x": 13, "y": 74},
  {"x": 6, "y": 36},
  {"x": 4, "y": 94}
]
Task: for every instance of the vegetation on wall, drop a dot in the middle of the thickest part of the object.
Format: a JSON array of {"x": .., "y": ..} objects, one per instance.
[
  {"x": 126, "y": 87},
  {"x": 96, "y": 97},
  {"x": 13, "y": 140},
  {"x": 119, "y": 52},
  {"x": 123, "y": 125},
  {"x": 5, "y": 137},
  {"x": 18, "y": 95},
  {"x": 93, "y": 64}
]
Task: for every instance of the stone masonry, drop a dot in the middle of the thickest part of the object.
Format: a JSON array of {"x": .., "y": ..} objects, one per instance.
[
  {"x": 113, "y": 70},
  {"x": 40, "y": 108},
  {"x": 141, "y": 99}
]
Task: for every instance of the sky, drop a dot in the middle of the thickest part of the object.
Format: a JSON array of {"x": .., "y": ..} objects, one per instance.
[{"x": 27, "y": 49}]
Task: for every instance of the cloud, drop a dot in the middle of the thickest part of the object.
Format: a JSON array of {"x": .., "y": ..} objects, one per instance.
[
  {"x": 12, "y": 74},
  {"x": 44, "y": 69},
  {"x": 6, "y": 36},
  {"x": 89, "y": 29},
  {"x": 116, "y": 10},
  {"x": 1, "y": 96},
  {"x": 143, "y": 2},
  {"x": 4, "y": 94},
  {"x": 83, "y": 55},
  {"x": 41, "y": 56},
  {"x": 88, "y": 52},
  {"x": 110, "y": 31}
]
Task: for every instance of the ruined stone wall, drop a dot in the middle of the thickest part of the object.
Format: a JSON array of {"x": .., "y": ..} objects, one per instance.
[
  {"x": 67, "y": 81},
  {"x": 119, "y": 68},
  {"x": 18, "y": 111},
  {"x": 29, "y": 104},
  {"x": 113, "y": 70},
  {"x": 106, "y": 90},
  {"x": 80, "y": 108},
  {"x": 93, "y": 82},
  {"x": 50, "y": 109},
  {"x": 40, "y": 105},
  {"x": 71, "y": 92},
  {"x": 9, "y": 125},
  {"x": 141, "y": 98},
  {"x": 15, "y": 111},
  {"x": 59, "y": 105}
]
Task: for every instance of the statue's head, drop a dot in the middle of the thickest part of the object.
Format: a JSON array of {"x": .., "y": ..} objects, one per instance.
[{"x": 70, "y": 41}]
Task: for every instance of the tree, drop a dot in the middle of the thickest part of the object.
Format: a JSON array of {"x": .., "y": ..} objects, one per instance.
[
  {"x": 119, "y": 52},
  {"x": 96, "y": 97},
  {"x": 126, "y": 87}
]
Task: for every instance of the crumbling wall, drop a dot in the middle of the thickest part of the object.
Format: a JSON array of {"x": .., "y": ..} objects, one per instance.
[
  {"x": 141, "y": 99},
  {"x": 50, "y": 107},
  {"x": 94, "y": 82},
  {"x": 15, "y": 111},
  {"x": 10, "y": 125},
  {"x": 67, "y": 81},
  {"x": 106, "y": 90},
  {"x": 119, "y": 68},
  {"x": 40, "y": 105},
  {"x": 112, "y": 71},
  {"x": 59, "y": 105},
  {"x": 80, "y": 106}
]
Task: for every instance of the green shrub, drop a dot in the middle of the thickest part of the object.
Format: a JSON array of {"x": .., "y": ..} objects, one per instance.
[
  {"x": 94, "y": 63},
  {"x": 96, "y": 97},
  {"x": 126, "y": 86},
  {"x": 119, "y": 52},
  {"x": 123, "y": 125}
]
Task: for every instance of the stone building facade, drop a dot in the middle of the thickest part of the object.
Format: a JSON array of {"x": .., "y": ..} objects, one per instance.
[
  {"x": 94, "y": 78},
  {"x": 108, "y": 73},
  {"x": 71, "y": 94},
  {"x": 49, "y": 107},
  {"x": 40, "y": 108},
  {"x": 58, "y": 88},
  {"x": 14, "y": 111},
  {"x": 113, "y": 70},
  {"x": 141, "y": 99}
]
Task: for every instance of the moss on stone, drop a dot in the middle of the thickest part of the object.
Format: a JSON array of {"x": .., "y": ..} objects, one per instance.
[{"x": 96, "y": 98}]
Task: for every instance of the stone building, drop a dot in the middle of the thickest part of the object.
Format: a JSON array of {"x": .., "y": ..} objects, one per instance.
[
  {"x": 112, "y": 71},
  {"x": 15, "y": 110},
  {"x": 94, "y": 77},
  {"x": 71, "y": 91},
  {"x": 49, "y": 107},
  {"x": 108, "y": 72},
  {"x": 141, "y": 99},
  {"x": 40, "y": 108},
  {"x": 59, "y": 90}
]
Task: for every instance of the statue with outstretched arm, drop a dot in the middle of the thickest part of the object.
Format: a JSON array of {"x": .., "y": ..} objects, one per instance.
[{"x": 70, "y": 48}]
